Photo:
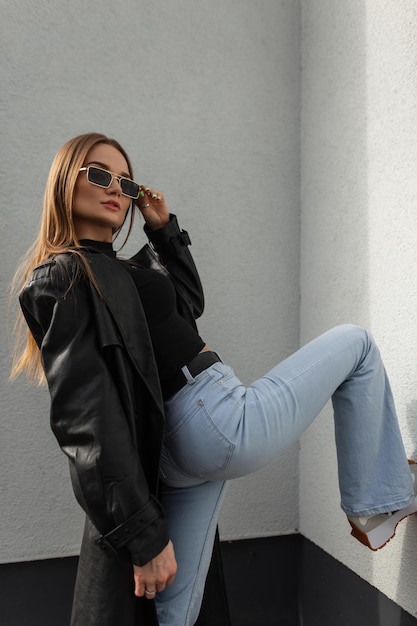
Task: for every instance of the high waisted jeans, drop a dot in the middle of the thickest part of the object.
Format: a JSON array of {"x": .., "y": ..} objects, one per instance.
[{"x": 216, "y": 429}]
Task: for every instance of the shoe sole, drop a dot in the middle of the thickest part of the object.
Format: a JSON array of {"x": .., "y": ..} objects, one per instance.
[{"x": 378, "y": 537}]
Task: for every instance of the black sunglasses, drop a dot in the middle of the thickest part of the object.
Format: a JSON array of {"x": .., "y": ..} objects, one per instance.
[{"x": 103, "y": 178}]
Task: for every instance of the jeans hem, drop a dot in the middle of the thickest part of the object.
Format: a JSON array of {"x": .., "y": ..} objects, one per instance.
[{"x": 386, "y": 508}]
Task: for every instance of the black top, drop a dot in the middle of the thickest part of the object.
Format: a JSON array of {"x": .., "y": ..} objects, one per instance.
[{"x": 174, "y": 341}]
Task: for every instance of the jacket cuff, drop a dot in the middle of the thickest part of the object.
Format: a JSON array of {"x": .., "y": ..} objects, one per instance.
[
  {"x": 170, "y": 233},
  {"x": 143, "y": 550},
  {"x": 126, "y": 533}
]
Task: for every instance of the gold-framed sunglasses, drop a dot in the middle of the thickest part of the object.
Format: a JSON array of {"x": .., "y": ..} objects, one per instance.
[{"x": 103, "y": 178}]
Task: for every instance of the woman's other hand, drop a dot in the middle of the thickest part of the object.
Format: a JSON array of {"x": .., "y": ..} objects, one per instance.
[
  {"x": 153, "y": 206},
  {"x": 157, "y": 574}
]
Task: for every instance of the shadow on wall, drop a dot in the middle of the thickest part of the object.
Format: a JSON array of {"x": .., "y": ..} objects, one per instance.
[
  {"x": 335, "y": 223},
  {"x": 335, "y": 233}
]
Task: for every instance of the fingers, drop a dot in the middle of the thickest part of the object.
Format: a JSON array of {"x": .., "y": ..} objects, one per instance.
[
  {"x": 148, "y": 196},
  {"x": 139, "y": 581},
  {"x": 144, "y": 586},
  {"x": 153, "y": 207},
  {"x": 150, "y": 594},
  {"x": 153, "y": 577},
  {"x": 150, "y": 589}
]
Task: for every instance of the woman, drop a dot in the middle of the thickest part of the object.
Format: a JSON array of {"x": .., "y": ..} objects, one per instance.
[
  {"x": 84, "y": 313},
  {"x": 110, "y": 332}
]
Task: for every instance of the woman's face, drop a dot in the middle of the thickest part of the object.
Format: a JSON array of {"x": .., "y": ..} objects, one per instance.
[{"x": 97, "y": 211}]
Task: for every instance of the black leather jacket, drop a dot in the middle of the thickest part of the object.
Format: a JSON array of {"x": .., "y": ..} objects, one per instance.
[{"x": 106, "y": 402}]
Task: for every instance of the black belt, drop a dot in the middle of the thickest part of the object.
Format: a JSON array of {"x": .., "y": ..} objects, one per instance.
[{"x": 201, "y": 362}]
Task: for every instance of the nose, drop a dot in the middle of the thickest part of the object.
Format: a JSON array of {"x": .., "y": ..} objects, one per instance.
[{"x": 114, "y": 186}]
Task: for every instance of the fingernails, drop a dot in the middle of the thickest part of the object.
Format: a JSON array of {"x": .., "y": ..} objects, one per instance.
[{"x": 154, "y": 196}]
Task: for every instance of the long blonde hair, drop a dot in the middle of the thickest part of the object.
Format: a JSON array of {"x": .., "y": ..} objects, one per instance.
[{"x": 56, "y": 235}]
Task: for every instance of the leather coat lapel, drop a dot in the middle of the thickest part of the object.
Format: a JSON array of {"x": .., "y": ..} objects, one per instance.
[{"x": 126, "y": 325}]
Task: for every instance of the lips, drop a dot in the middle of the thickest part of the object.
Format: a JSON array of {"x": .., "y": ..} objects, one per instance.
[{"x": 112, "y": 205}]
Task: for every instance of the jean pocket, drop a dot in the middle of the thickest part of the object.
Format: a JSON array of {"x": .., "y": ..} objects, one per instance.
[{"x": 198, "y": 446}]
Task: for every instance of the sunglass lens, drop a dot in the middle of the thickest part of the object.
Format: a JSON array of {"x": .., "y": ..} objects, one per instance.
[
  {"x": 100, "y": 177},
  {"x": 103, "y": 178},
  {"x": 129, "y": 188}
]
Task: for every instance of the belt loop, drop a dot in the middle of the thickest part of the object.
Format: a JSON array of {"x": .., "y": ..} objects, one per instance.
[{"x": 187, "y": 374}]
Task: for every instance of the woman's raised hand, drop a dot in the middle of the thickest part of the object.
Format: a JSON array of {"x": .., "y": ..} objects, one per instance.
[{"x": 153, "y": 206}]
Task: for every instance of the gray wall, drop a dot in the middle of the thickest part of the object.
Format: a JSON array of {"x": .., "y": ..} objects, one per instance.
[
  {"x": 206, "y": 99},
  {"x": 210, "y": 99}
]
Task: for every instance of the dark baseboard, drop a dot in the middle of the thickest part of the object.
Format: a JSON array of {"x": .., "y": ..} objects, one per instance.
[
  {"x": 262, "y": 579},
  {"x": 37, "y": 593},
  {"x": 289, "y": 581},
  {"x": 331, "y": 594},
  {"x": 277, "y": 581}
]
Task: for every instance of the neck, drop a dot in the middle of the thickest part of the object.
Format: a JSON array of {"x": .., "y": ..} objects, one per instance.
[{"x": 85, "y": 230}]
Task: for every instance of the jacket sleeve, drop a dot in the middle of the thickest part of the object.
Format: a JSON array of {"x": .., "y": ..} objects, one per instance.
[
  {"x": 172, "y": 246},
  {"x": 89, "y": 422}
]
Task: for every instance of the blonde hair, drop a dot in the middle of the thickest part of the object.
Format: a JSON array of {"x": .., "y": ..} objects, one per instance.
[{"x": 56, "y": 235}]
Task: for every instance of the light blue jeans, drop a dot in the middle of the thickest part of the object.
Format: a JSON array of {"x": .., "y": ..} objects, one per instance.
[{"x": 217, "y": 429}]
